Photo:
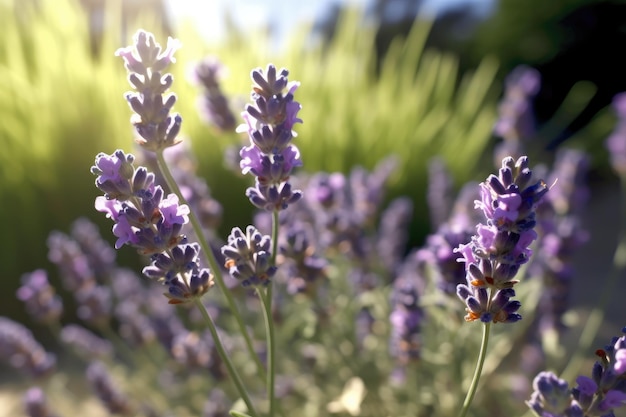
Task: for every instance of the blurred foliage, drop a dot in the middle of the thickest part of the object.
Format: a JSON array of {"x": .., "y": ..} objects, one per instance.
[{"x": 62, "y": 104}]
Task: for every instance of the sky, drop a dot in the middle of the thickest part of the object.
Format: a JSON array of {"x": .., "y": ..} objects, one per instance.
[{"x": 284, "y": 14}]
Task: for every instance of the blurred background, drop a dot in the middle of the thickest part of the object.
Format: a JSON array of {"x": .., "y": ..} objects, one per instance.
[{"x": 415, "y": 79}]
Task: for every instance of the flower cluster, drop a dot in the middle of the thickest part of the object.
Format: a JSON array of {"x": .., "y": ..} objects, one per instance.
[
  {"x": 145, "y": 63},
  {"x": 248, "y": 257},
  {"x": 598, "y": 395},
  {"x": 151, "y": 222},
  {"x": 271, "y": 157},
  {"x": 495, "y": 254}
]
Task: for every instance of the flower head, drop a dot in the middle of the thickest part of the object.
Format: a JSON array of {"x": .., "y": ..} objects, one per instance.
[
  {"x": 145, "y": 62},
  {"x": 271, "y": 157},
  {"x": 501, "y": 244},
  {"x": 248, "y": 257}
]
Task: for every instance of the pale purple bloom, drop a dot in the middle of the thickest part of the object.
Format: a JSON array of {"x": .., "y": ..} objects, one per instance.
[
  {"x": 86, "y": 343},
  {"x": 108, "y": 391},
  {"x": 145, "y": 62},
  {"x": 516, "y": 120},
  {"x": 552, "y": 397},
  {"x": 40, "y": 298},
  {"x": 213, "y": 104},
  {"x": 20, "y": 350},
  {"x": 36, "y": 403},
  {"x": 620, "y": 361}
]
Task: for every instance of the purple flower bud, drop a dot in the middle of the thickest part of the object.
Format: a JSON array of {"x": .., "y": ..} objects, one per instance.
[
  {"x": 552, "y": 397},
  {"x": 248, "y": 256}
]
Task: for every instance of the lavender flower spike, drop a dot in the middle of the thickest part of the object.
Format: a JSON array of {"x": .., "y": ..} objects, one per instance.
[
  {"x": 145, "y": 63},
  {"x": 498, "y": 249},
  {"x": 151, "y": 222},
  {"x": 271, "y": 157}
]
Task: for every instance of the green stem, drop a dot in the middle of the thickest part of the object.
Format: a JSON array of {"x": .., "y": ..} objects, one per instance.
[
  {"x": 215, "y": 268},
  {"x": 477, "y": 372},
  {"x": 225, "y": 358},
  {"x": 596, "y": 317},
  {"x": 266, "y": 300},
  {"x": 271, "y": 347}
]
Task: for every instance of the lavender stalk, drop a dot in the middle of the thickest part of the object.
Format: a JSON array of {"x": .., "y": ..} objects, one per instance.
[{"x": 495, "y": 254}]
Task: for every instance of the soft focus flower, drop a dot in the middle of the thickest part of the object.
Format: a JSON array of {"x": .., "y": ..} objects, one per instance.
[
  {"x": 213, "y": 104},
  {"x": 107, "y": 391},
  {"x": 86, "y": 343},
  {"x": 552, "y": 397},
  {"x": 516, "y": 120},
  {"x": 36, "y": 403},
  {"x": 20, "y": 350},
  {"x": 41, "y": 301}
]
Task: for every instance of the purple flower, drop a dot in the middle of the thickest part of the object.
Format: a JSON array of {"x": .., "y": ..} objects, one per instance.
[
  {"x": 107, "y": 391},
  {"x": 145, "y": 63},
  {"x": 20, "y": 350},
  {"x": 41, "y": 301},
  {"x": 86, "y": 343},
  {"x": 36, "y": 404},
  {"x": 552, "y": 397},
  {"x": 516, "y": 119},
  {"x": 620, "y": 361},
  {"x": 213, "y": 104},
  {"x": 501, "y": 245},
  {"x": 248, "y": 257},
  {"x": 605, "y": 390},
  {"x": 271, "y": 157},
  {"x": 153, "y": 224}
]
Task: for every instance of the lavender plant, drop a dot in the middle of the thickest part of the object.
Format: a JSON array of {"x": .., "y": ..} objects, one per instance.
[{"x": 352, "y": 324}]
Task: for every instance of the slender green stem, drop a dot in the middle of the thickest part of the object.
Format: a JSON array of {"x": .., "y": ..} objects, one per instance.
[
  {"x": 215, "y": 268},
  {"x": 596, "y": 317},
  {"x": 271, "y": 348},
  {"x": 226, "y": 359},
  {"x": 477, "y": 372},
  {"x": 266, "y": 301},
  {"x": 275, "y": 225}
]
